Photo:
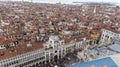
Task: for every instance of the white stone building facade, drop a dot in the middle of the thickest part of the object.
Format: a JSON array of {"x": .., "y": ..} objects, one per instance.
[
  {"x": 53, "y": 49},
  {"x": 108, "y": 36}
]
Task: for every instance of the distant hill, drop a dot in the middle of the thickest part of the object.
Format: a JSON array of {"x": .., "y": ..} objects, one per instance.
[{"x": 96, "y": 3}]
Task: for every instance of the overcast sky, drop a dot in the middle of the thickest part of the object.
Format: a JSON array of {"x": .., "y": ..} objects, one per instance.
[{"x": 70, "y": 1}]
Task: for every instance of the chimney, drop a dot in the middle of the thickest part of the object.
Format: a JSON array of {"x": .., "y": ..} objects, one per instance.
[{"x": 29, "y": 44}]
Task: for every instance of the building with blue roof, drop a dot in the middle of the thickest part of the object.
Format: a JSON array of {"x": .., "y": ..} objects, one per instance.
[
  {"x": 115, "y": 47},
  {"x": 104, "y": 62}
]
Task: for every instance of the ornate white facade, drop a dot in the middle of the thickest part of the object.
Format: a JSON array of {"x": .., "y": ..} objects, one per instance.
[
  {"x": 53, "y": 49},
  {"x": 108, "y": 36}
]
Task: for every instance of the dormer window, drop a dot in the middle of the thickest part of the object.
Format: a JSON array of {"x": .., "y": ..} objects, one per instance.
[
  {"x": 45, "y": 46},
  {"x": 1, "y": 53},
  {"x": 50, "y": 41},
  {"x": 2, "y": 46},
  {"x": 62, "y": 43},
  {"x": 55, "y": 51},
  {"x": 56, "y": 42}
]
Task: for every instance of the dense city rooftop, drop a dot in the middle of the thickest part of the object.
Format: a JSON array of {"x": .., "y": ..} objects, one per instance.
[{"x": 24, "y": 27}]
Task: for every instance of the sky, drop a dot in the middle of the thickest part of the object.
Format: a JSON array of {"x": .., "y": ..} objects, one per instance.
[{"x": 70, "y": 1}]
